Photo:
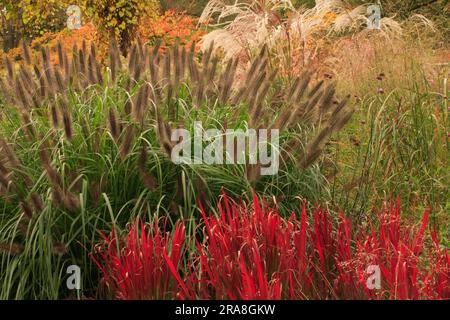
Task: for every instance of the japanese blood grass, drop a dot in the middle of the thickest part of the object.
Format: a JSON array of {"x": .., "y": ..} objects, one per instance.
[
  {"x": 141, "y": 270},
  {"x": 249, "y": 251}
]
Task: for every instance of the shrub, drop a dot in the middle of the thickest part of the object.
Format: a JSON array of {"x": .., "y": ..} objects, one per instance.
[
  {"x": 30, "y": 18},
  {"x": 67, "y": 38},
  {"x": 169, "y": 29},
  {"x": 120, "y": 18}
]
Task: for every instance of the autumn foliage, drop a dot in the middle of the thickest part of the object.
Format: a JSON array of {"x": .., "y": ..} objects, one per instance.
[
  {"x": 169, "y": 28},
  {"x": 166, "y": 29}
]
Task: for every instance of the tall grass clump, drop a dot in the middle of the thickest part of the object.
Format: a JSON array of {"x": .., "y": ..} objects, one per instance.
[
  {"x": 87, "y": 146},
  {"x": 397, "y": 142},
  {"x": 297, "y": 37}
]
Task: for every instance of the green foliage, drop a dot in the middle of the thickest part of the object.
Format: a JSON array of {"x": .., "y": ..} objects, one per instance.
[
  {"x": 120, "y": 18},
  {"x": 193, "y": 8},
  {"x": 29, "y": 19}
]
